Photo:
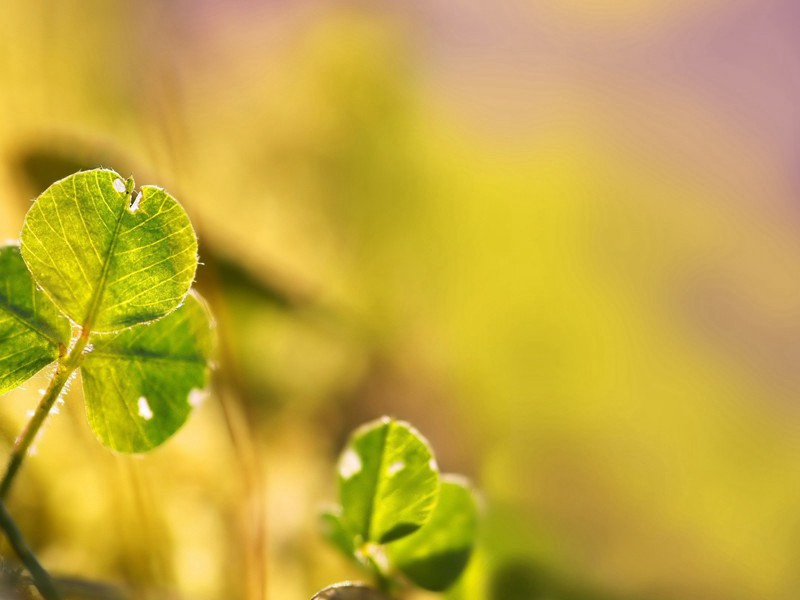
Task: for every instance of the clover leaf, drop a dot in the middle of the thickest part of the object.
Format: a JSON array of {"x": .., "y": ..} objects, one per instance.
[
  {"x": 141, "y": 383},
  {"x": 435, "y": 556},
  {"x": 388, "y": 481},
  {"x": 107, "y": 258},
  {"x": 32, "y": 331}
]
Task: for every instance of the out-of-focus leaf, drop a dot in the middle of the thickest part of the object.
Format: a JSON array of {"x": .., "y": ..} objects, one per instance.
[
  {"x": 349, "y": 591},
  {"x": 334, "y": 530},
  {"x": 140, "y": 384},
  {"x": 31, "y": 329},
  {"x": 435, "y": 556},
  {"x": 388, "y": 481},
  {"x": 108, "y": 260}
]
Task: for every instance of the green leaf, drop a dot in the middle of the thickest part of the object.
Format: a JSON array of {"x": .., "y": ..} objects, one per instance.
[
  {"x": 109, "y": 262},
  {"x": 335, "y": 531},
  {"x": 388, "y": 481},
  {"x": 32, "y": 331},
  {"x": 140, "y": 384},
  {"x": 435, "y": 556},
  {"x": 349, "y": 591}
]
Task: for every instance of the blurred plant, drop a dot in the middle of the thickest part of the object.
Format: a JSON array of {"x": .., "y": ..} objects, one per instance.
[
  {"x": 398, "y": 517},
  {"x": 101, "y": 281}
]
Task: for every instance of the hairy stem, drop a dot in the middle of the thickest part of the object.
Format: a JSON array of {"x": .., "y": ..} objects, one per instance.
[
  {"x": 40, "y": 577},
  {"x": 28, "y": 434},
  {"x": 64, "y": 370}
]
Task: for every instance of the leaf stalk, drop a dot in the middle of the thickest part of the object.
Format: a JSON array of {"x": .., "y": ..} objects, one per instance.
[{"x": 65, "y": 368}]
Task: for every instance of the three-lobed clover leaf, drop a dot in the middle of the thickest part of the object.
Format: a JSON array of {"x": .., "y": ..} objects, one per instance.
[
  {"x": 388, "y": 481},
  {"x": 435, "y": 556},
  {"x": 140, "y": 384},
  {"x": 119, "y": 264},
  {"x": 32, "y": 331},
  {"x": 397, "y": 515},
  {"x": 107, "y": 259}
]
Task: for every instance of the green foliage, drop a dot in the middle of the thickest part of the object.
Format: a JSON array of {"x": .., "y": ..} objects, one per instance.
[
  {"x": 435, "y": 556},
  {"x": 32, "y": 331},
  {"x": 388, "y": 481},
  {"x": 107, "y": 259},
  {"x": 153, "y": 373},
  {"x": 119, "y": 264},
  {"x": 397, "y": 516}
]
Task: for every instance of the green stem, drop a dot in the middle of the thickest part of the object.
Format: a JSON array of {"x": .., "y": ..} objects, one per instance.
[
  {"x": 40, "y": 577},
  {"x": 64, "y": 370},
  {"x": 28, "y": 434}
]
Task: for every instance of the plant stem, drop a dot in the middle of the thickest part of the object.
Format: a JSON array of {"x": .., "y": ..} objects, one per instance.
[
  {"x": 40, "y": 577},
  {"x": 28, "y": 434},
  {"x": 65, "y": 368}
]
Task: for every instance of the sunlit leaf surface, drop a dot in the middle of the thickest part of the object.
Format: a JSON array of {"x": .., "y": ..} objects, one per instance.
[
  {"x": 110, "y": 257},
  {"x": 31, "y": 329},
  {"x": 436, "y": 555},
  {"x": 388, "y": 481},
  {"x": 141, "y": 384}
]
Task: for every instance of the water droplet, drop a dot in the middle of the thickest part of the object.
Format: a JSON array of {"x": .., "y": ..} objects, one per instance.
[
  {"x": 144, "y": 409},
  {"x": 119, "y": 185},
  {"x": 350, "y": 464}
]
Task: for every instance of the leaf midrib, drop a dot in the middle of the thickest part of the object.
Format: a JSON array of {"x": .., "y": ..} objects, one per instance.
[
  {"x": 373, "y": 496},
  {"x": 101, "y": 284}
]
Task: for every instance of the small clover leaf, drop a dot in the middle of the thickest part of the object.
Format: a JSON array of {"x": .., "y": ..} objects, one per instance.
[
  {"x": 435, "y": 556},
  {"x": 106, "y": 259},
  {"x": 140, "y": 384},
  {"x": 32, "y": 332},
  {"x": 388, "y": 481}
]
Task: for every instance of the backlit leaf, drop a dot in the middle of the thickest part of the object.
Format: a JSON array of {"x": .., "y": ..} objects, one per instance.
[
  {"x": 31, "y": 328},
  {"x": 334, "y": 530},
  {"x": 140, "y": 384},
  {"x": 435, "y": 556},
  {"x": 108, "y": 257},
  {"x": 388, "y": 481}
]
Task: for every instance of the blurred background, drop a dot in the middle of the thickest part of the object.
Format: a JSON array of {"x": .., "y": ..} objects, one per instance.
[{"x": 559, "y": 236}]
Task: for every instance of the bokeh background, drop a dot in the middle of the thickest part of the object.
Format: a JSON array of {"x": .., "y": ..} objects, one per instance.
[{"x": 559, "y": 236}]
